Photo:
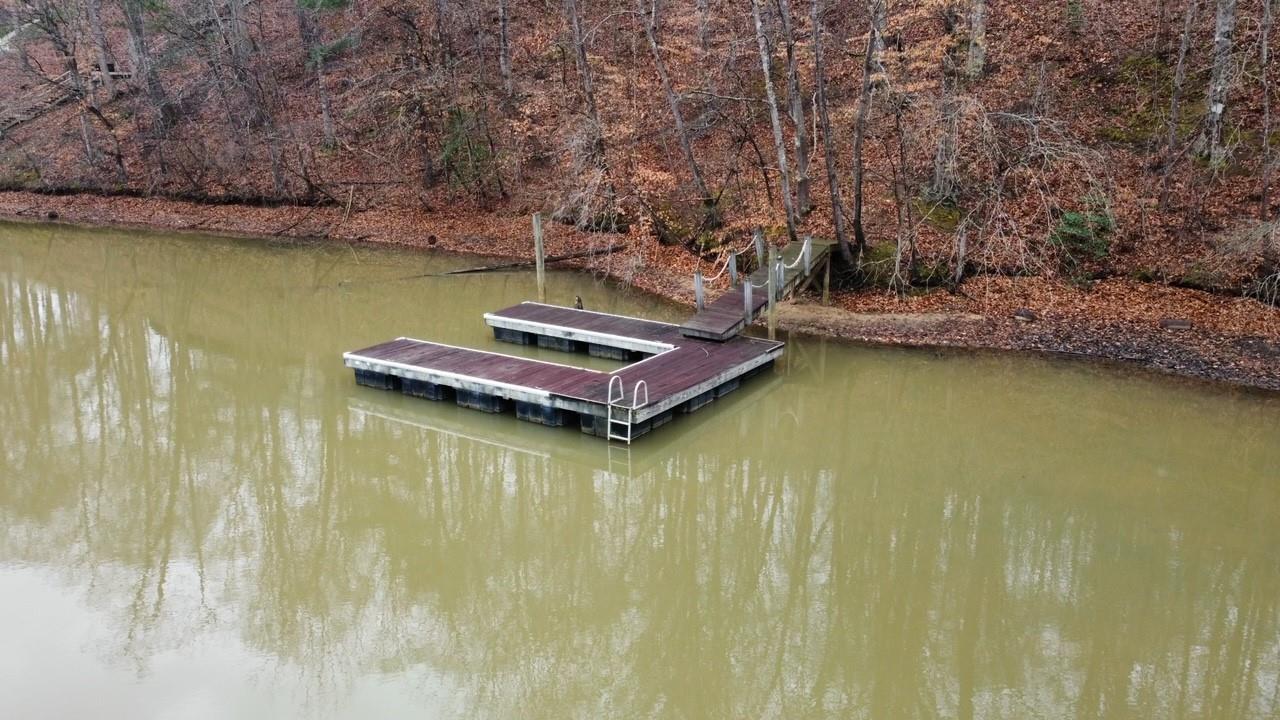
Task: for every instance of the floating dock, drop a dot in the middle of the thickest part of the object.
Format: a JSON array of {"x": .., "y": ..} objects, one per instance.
[{"x": 670, "y": 372}]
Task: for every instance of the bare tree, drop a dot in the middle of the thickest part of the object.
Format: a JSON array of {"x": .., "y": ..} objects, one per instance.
[
  {"x": 828, "y": 144},
  {"x": 649, "y": 18},
  {"x": 977, "y": 39},
  {"x": 872, "y": 67},
  {"x": 93, "y": 16},
  {"x": 1171, "y": 152},
  {"x": 144, "y": 73},
  {"x": 1264, "y": 203},
  {"x": 317, "y": 52},
  {"x": 58, "y": 23},
  {"x": 1210, "y": 142},
  {"x": 779, "y": 143},
  {"x": 504, "y": 49},
  {"x": 795, "y": 98},
  {"x": 596, "y": 155},
  {"x": 944, "y": 187}
]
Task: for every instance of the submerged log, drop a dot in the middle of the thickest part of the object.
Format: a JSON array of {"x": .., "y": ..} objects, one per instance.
[{"x": 522, "y": 264}]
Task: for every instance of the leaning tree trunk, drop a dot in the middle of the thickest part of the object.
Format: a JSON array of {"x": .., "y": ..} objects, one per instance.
[
  {"x": 871, "y": 67},
  {"x": 1210, "y": 143},
  {"x": 650, "y": 19},
  {"x": 795, "y": 100},
  {"x": 779, "y": 144},
  {"x": 828, "y": 143}
]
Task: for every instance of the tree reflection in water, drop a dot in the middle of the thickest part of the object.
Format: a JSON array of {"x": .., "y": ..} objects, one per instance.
[{"x": 865, "y": 534}]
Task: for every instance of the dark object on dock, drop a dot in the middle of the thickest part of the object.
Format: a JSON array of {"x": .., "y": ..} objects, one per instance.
[
  {"x": 672, "y": 373},
  {"x": 577, "y": 302}
]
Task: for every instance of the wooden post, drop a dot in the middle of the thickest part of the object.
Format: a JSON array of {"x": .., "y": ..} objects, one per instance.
[
  {"x": 540, "y": 257},
  {"x": 826, "y": 282},
  {"x": 807, "y": 251},
  {"x": 757, "y": 235},
  {"x": 697, "y": 290},
  {"x": 733, "y": 269},
  {"x": 773, "y": 292},
  {"x": 748, "y": 306}
]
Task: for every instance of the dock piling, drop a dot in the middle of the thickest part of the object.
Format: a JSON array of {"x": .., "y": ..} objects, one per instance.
[
  {"x": 826, "y": 283},
  {"x": 698, "y": 294},
  {"x": 733, "y": 269},
  {"x": 773, "y": 292},
  {"x": 540, "y": 257}
]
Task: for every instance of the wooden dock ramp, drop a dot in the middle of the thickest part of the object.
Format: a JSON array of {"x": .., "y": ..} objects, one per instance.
[{"x": 797, "y": 264}]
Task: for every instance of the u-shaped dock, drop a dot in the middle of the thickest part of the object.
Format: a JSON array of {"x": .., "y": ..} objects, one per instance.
[{"x": 669, "y": 373}]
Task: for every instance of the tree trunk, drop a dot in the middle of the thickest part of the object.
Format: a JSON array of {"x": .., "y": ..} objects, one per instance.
[
  {"x": 977, "y": 40},
  {"x": 944, "y": 187},
  {"x": 326, "y": 107},
  {"x": 779, "y": 144},
  {"x": 313, "y": 48},
  {"x": 650, "y": 20},
  {"x": 1264, "y": 205},
  {"x": 1175, "y": 102},
  {"x": 589, "y": 95},
  {"x": 143, "y": 72},
  {"x": 93, "y": 13},
  {"x": 504, "y": 49},
  {"x": 704, "y": 43},
  {"x": 795, "y": 99},
  {"x": 828, "y": 142},
  {"x": 871, "y": 67},
  {"x": 900, "y": 281},
  {"x": 1210, "y": 142}
]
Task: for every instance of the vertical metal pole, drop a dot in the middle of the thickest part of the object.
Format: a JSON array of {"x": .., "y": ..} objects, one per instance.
[
  {"x": 826, "y": 283},
  {"x": 748, "y": 307},
  {"x": 773, "y": 292},
  {"x": 697, "y": 290},
  {"x": 540, "y": 257},
  {"x": 758, "y": 236},
  {"x": 733, "y": 269}
]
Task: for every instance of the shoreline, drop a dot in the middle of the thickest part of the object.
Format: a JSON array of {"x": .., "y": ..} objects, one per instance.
[{"x": 1224, "y": 355}]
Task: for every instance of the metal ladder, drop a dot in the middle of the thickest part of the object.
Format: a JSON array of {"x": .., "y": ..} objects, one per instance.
[{"x": 619, "y": 428}]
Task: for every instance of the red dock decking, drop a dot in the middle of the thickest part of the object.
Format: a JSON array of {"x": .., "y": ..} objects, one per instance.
[{"x": 675, "y": 370}]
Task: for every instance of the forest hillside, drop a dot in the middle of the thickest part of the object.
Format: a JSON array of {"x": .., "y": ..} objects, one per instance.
[{"x": 956, "y": 148}]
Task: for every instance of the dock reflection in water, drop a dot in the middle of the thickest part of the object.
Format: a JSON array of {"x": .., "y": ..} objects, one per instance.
[{"x": 202, "y": 515}]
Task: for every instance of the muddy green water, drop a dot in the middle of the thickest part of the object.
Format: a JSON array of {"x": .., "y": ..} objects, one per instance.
[{"x": 202, "y": 516}]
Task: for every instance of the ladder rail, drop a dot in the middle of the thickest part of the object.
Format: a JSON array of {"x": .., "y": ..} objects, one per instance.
[
  {"x": 620, "y": 417},
  {"x": 615, "y": 402}
]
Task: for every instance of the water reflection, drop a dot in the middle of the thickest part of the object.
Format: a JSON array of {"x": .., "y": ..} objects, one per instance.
[{"x": 864, "y": 534}]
